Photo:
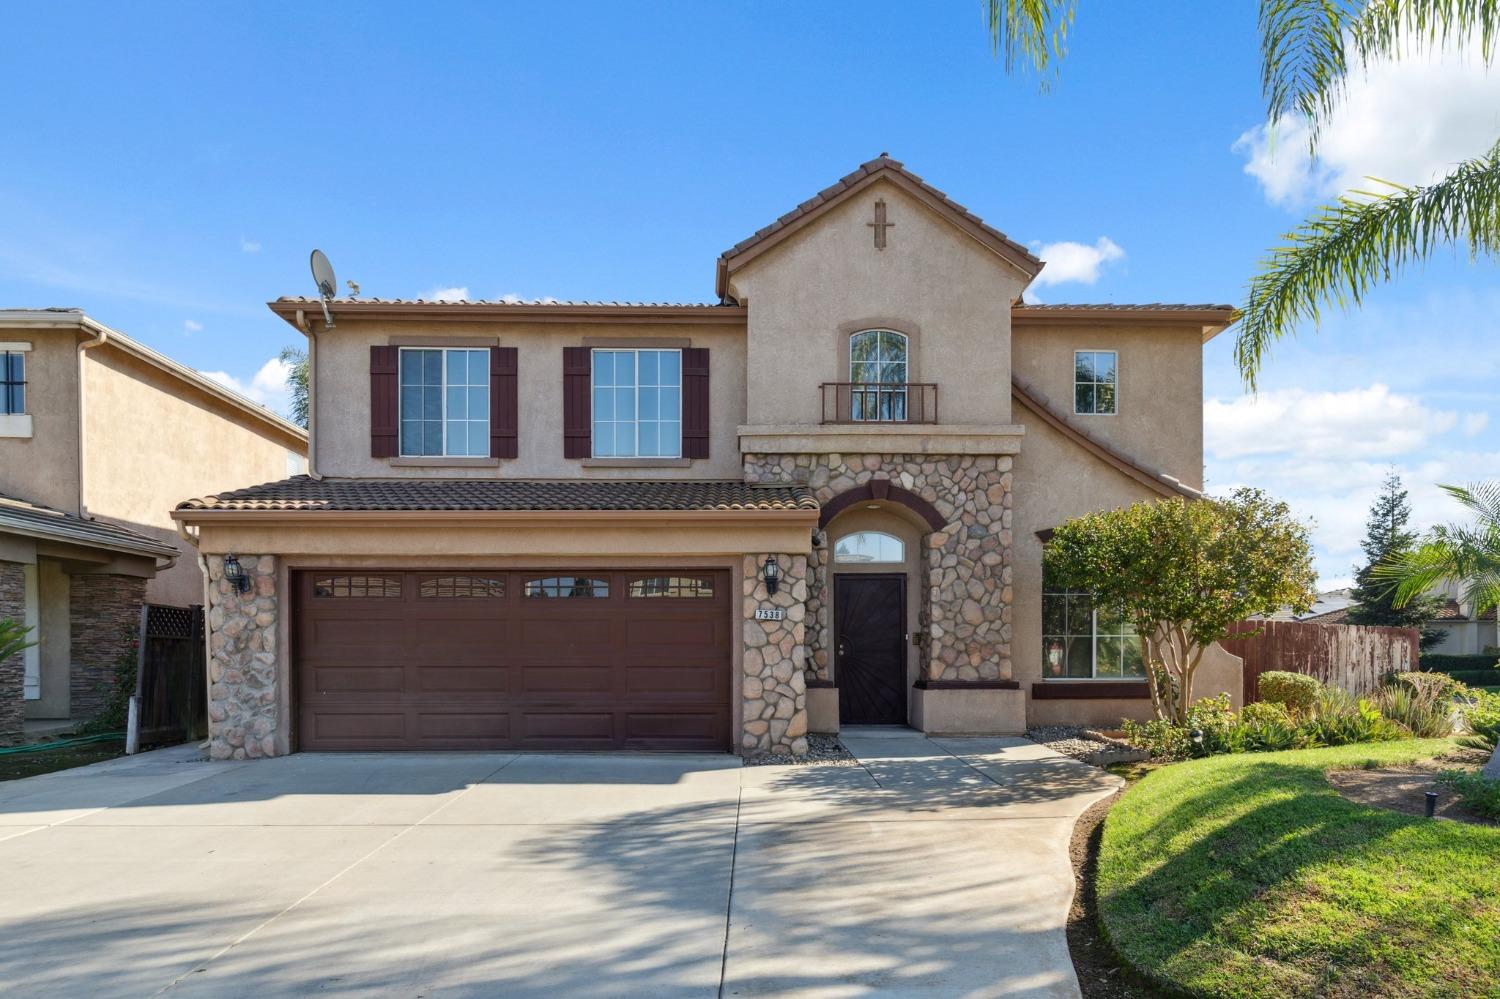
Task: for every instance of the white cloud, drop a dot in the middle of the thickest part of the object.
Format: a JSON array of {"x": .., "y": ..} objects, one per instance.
[
  {"x": 267, "y": 386},
  {"x": 1326, "y": 452},
  {"x": 1077, "y": 262},
  {"x": 192, "y": 326},
  {"x": 457, "y": 293},
  {"x": 249, "y": 245},
  {"x": 1352, "y": 423},
  {"x": 1408, "y": 122}
]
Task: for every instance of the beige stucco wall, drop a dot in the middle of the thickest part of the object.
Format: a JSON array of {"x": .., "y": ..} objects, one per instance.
[
  {"x": 44, "y": 468},
  {"x": 806, "y": 295},
  {"x": 152, "y": 441},
  {"x": 342, "y": 394},
  {"x": 1159, "y": 412}
]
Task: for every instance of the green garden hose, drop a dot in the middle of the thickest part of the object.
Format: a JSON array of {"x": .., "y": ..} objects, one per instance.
[{"x": 42, "y": 747}]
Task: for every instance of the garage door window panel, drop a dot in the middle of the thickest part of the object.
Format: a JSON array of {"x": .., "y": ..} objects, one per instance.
[
  {"x": 692, "y": 587},
  {"x": 357, "y": 587},
  {"x": 461, "y": 587},
  {"x": 568, "y": 587}
]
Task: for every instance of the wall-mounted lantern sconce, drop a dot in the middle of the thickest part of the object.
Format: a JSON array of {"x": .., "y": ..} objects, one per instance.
[
  {"x": 771, "y": 573},
  {"x": 235, "y": 573},
  {"x": 817, "y": 537}
]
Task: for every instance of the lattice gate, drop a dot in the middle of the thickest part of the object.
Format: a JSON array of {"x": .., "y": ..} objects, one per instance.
[{"x": 171, "y": 675}]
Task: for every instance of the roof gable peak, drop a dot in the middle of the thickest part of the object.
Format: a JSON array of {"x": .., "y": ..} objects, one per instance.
[{"x": 882, "y": 167}]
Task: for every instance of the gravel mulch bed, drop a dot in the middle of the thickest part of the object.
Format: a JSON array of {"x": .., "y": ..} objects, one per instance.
[
  {"x": 824, "y": 749},
  {"x": 1403, "y": 789},
  {"x": 1085, "y": 744}
]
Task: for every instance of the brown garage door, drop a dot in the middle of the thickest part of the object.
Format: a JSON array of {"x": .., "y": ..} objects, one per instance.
[{"x": 471, "y": 659}]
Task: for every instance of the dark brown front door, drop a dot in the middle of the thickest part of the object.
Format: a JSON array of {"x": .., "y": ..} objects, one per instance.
[
  {"x": 476, "y": 659},
  {"x": 870, "y": 633}
]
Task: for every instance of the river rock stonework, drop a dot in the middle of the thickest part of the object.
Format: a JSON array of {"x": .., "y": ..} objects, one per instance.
[
  {"x": 773, "y": 683},
  {"x": 243, "y": 686},
  {"x": 967, "y": 597}
]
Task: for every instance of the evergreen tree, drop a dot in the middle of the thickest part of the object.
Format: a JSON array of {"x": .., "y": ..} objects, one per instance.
[{"x": 1386, "y": 538}]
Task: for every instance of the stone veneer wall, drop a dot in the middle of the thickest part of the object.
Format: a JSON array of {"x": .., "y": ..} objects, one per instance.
[
  {"x": 104, "y": 613},
  {"x": 774, "y": 686},
  {"x": 966, "y": 602},
  {"x": 242, "y": 680},
  {"x": 12, "y": 670}
]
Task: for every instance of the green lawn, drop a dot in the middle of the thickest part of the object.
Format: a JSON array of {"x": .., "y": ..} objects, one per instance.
[{"x": 1249, "y": 876}]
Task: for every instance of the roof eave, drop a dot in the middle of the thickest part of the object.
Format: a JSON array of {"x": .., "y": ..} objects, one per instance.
[
  {"x": 145, "y": 548},
  {"x": 460, "y": 312},
  {"x": 201, "y": 516}
]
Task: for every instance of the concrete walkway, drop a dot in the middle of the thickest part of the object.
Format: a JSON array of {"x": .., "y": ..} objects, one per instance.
[{"x": 934, "y": 868}]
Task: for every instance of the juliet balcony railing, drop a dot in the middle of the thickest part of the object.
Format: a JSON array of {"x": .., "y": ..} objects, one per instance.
[{"x": 880, "y": 402}]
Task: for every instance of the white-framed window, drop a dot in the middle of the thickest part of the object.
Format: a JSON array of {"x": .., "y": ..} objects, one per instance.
[
  {"x": 867, "y": 547},
  {"x": 637, "y": 403},
  {"x": 1095, "y": 382},
  {"x": 12, "y": 382},
  {"x": 445, "y": 402},
  {"x": 1080, "y": 641},
  {"x": 878, "y": 359}
]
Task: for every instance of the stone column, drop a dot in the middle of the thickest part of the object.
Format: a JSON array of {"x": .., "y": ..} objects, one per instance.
[
  {"x": 244, "y": 688},
  {"x": 12, "y": 670},
  {"x": 104, "y": 613},
  {"x": 774, "y": 686}
]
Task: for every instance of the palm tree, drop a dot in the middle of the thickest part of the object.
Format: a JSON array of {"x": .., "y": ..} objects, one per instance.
[
  {"x": 296, "y": 383},
  {"x": 1466, "y": 554},
  {"x": 1347, "y": 247}
]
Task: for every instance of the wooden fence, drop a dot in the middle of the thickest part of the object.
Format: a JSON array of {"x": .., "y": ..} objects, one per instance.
[
  {"x": 171, "y": 676},
  {"x": 1354, "y": 657}
]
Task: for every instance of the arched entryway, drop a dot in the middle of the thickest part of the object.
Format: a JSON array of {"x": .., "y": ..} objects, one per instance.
[{"x": 873, "y": 584}]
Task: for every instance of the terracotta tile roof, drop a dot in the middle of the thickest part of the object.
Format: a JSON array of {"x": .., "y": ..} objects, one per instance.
[
  {"x": 29, "y": 519},
  {"x": 1111, "y": 307},
  {"x": 532, "y": 302},
  {"x": 1452, "y": 610},
  {"x": 861, "y": 177},
  {"x": 306, "y": 494}
]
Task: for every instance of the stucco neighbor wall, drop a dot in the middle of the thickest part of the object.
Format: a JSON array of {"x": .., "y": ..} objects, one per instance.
[
  {"x": 342, "y": 394},
  {"x": 153, "y": 441},
  {"x": 43, "y": 468},
  {"x": 1159, "y": 418},
  {"x": 806, "y": 295}
]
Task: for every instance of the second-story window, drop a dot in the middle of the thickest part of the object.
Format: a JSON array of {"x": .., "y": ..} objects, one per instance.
[
  {"x": 637, "y": 405},
  {"x": 12, "y": 382},
  {"x": 878, "y": 373},
  {"x": 1094, "y": 373},
  {"x": 445, "y": 402}
]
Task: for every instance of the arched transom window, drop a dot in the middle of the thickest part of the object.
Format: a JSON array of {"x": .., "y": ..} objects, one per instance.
[
  {"x": 868, "y": 547},
  {"x": 878, "y": 371}
]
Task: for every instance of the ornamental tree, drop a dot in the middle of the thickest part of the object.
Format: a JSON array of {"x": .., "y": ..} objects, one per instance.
[{"x": 1183, "y": 573}]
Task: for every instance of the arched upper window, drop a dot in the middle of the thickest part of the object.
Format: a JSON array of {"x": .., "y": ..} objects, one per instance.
[
  {"x": 878, "y": 358},
  {"x": 868, "y": 547}
]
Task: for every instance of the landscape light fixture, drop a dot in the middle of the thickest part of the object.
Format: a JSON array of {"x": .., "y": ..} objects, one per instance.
[
  {"x": 771, "y": 573},
  {"x": 235, "y": 573}
]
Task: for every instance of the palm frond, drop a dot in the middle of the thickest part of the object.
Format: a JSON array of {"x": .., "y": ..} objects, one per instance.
[
  {"x": 1309, "y": 47},
  {"x": 1361, "y": 240},
  {"x": 1030, "y": 31},
  {"x": 1468, "y": 554}
]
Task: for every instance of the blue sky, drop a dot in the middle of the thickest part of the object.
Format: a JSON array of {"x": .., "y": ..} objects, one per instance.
[{"x": 168, "y": 168}]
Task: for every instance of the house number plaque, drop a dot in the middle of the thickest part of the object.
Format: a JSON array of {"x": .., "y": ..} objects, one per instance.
[{"x": 770, "y": 614}]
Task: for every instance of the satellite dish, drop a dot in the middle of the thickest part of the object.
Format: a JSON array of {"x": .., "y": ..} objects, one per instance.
[{"x": 322, "y": 273}]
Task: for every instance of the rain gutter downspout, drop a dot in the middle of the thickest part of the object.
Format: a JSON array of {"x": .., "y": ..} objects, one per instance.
[{"x": 100, "y": 336}]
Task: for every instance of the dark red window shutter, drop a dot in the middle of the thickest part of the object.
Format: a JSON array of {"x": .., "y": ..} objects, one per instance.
[
  {"x": 504, "y": 404},
  {"x": 578, "y": 431},
  {"x": 385, "y": 402},
  {"x": 695, "y": 402}
]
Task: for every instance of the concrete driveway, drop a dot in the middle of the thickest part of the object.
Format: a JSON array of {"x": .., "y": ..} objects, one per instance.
[{"x": 934, "y": 868}]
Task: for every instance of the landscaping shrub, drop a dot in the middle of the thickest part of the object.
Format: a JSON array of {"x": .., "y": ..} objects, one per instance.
[
  {"x": 1338, "y": 718},
  {"x": 1425, "y": 710},
  {"x": 1267, "y": 726},
  {"x": 1431, "y": 684},
  {"x": 1477, "y": 791},
  {"x": 1476, "y": 678},
  {"x": 1459, "y": 664},
  {"x": 1483, "y": 718},
  {"x": 1293, "y": 691},
  {"x": 1159, "y": 737}
]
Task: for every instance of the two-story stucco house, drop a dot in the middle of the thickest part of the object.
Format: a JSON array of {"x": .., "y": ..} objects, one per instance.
[
  {"x": 100, "y": 437},
  {"x": 820, "y": 501}
]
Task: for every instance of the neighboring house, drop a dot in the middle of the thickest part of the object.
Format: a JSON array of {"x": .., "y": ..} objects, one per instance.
[
  {"x": 712, "y": 527},
  {"x": 99, "y": 438},
  {"x": 1464, "y": 632},
  {"x": 1331, "y": 607}
]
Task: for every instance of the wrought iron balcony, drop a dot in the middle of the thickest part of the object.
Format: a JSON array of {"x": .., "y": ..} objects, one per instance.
[{"x": 880, "y": 402}]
